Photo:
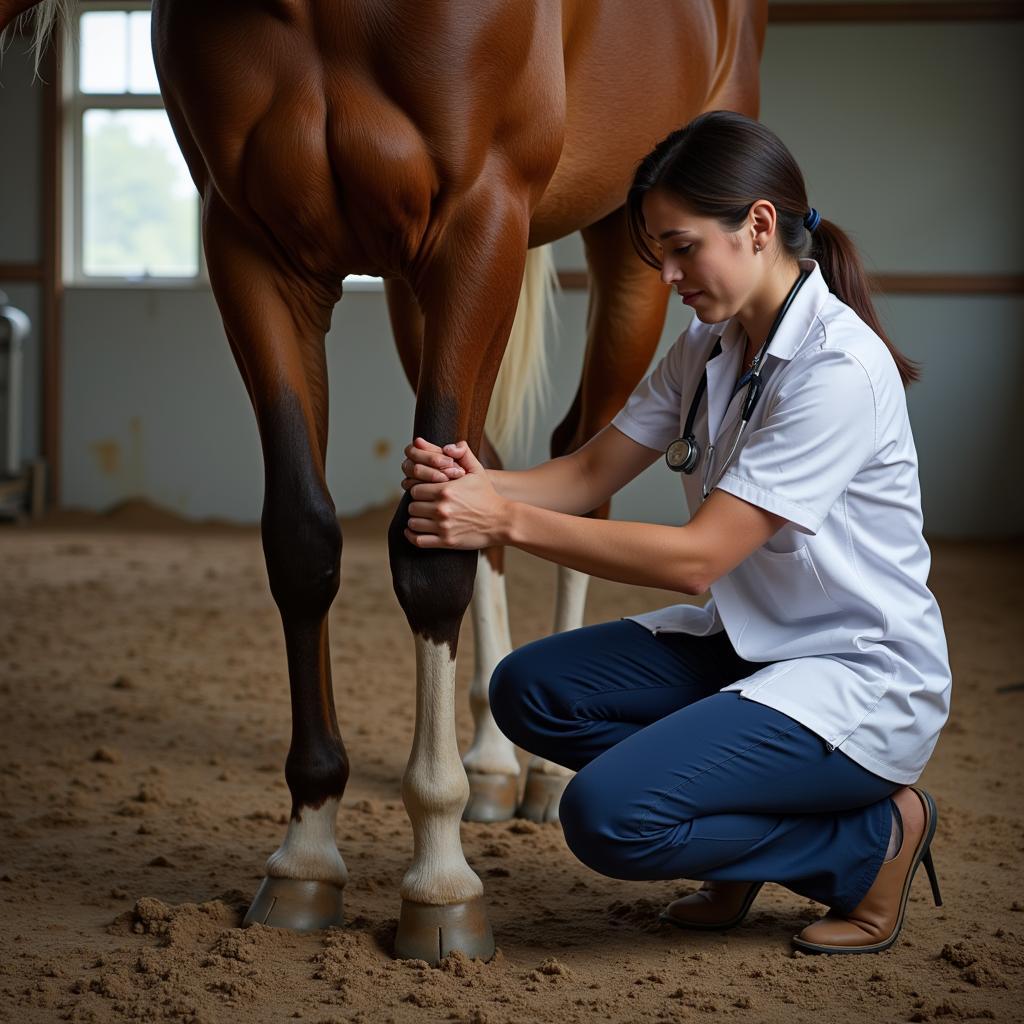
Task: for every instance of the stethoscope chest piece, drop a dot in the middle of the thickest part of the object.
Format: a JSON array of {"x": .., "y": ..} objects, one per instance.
[{"x": 683, "y": 454}]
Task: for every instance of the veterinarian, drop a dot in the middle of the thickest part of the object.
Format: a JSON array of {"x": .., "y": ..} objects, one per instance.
[{"x": 772, "y": 734}]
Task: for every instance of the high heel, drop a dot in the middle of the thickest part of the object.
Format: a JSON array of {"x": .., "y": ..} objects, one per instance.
[
  {"x": 932, "y": 877},
  {"x": 875, "y": 923}
]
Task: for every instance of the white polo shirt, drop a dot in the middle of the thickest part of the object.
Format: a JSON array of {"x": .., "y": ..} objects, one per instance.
[{"x": 838, "y": 597}]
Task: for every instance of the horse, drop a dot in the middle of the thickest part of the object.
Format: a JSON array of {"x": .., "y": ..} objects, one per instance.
[{"x": 441, "y": 146}]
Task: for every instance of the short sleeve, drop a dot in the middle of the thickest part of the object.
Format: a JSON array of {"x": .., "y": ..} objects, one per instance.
[
  {"x": 819, "y": 432},
  {"x": 652, "y": 412}
]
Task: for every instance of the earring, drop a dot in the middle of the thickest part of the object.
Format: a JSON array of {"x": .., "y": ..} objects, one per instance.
[{"x": 757, "y": 248}]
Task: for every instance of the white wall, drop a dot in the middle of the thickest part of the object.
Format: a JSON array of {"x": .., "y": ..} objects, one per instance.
[{"x": 906, "y": 134}]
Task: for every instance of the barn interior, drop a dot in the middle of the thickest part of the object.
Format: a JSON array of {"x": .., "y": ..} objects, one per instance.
[{"x": 142, "y": 662}]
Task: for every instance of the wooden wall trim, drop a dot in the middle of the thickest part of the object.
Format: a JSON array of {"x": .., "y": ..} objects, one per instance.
[
  {"x": 576, "y": 280},
  {"x": 21, "y": 272},
  {"x": 573, "y": 280},
  {"x": 891, "y": 284},
  {"x": 952, "y": 284},
  {"x": 912, "y": 10}
]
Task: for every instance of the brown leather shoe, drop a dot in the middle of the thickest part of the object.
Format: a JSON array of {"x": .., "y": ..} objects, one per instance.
[
  {"x": 875, "y": 922},
  {"x": 715, "y": 905}
]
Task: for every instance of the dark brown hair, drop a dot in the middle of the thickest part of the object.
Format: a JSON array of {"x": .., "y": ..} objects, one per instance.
[{"x": 720, "y": 164}]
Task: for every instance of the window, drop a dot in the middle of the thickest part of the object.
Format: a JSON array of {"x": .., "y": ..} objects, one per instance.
[{"x": 134, "y": 211}]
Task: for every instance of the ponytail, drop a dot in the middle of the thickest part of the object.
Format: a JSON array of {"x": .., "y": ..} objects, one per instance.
[
  {"x": 720, "y": 164},
  {"x": 843, "y": 271}
]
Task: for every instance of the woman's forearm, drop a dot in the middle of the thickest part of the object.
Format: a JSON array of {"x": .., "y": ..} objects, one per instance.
[
  {"x": 560, "y": 485},
  {"x": 643, "y": 554}
]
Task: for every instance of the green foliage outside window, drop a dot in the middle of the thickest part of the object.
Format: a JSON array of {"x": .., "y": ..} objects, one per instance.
[{"x": 139, "y": 215}]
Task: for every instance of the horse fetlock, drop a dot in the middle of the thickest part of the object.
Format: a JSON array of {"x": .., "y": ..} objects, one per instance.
[{"x": 435, "y": 795}]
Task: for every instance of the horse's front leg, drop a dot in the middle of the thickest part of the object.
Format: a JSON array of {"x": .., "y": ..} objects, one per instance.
[
  {"x": 491, "y": 763},
  {"x": 276, "y": 326},
  {"x": 469, "y": 302}
]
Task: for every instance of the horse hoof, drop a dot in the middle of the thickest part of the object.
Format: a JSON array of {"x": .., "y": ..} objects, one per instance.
[
  {"x": 429, "y": 932},
  {"x": 541, "y": 797},
  {"x": 492, "y": 796},
  {"x": 292, "y": 903}
]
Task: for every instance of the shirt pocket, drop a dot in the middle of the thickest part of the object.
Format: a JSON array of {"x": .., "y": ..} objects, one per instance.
[{"x": 785, "y": 586}]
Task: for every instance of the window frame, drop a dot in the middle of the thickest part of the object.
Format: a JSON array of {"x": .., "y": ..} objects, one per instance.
[{"x": 74, "y": 104}]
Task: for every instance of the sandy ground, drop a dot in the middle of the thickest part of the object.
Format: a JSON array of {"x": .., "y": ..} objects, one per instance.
[{"x": 145, "y": 725}]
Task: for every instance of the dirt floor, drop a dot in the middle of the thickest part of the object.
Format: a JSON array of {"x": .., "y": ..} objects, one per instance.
[{"x": 144, "y": 730}]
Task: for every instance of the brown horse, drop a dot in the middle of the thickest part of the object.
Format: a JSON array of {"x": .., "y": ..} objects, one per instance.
[{"x": 433, "y": 143}]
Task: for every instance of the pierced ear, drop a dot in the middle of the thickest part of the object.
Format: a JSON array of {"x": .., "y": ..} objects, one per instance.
[{"x": 762, "y": 223}]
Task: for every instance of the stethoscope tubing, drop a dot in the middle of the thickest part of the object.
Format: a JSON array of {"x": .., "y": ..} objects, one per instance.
[{"x": 687, "y": 463}]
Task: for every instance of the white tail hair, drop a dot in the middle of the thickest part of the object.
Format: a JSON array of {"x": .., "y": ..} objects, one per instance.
[
  {"x": 521, "y": 388},
  {"x": 48, "y": 15}
]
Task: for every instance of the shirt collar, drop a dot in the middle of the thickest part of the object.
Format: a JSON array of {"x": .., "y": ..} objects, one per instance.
[{"x": 795, "y": 325}]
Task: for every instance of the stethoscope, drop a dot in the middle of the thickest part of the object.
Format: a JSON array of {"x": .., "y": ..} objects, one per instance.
[{"x": 683, "y": 454}]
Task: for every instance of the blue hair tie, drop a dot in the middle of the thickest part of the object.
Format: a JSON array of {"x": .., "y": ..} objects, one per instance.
[{"x": 812, "y": 220}]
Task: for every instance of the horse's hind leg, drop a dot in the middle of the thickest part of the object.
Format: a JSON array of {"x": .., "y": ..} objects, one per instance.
[
  {"x": 624, "y": 321},
  {"x": 276, "y": 326},
  {"x": 491, "y": 763},
  {"x": 545, "y": 779}
]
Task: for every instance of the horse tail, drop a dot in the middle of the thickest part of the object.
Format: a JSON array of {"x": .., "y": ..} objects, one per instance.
[
  {"x": 48, "y": 15},
  {"x": 522, "y": 384}
]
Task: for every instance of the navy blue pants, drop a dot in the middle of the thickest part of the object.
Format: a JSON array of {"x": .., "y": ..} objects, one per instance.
[{"x": 676, "y": 780}]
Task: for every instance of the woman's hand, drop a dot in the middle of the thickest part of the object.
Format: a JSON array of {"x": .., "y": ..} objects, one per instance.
[
  {"x": 459, "y": 507},
  {"x": 427, "y": 463}
]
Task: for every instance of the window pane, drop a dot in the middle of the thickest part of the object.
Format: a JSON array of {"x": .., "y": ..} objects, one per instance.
[
  {"x": 140, "y": 208},
  {"x": 142, "y": 77},
  {"x": 116, "y": 53},
  {"x": 103, "y": 51}
]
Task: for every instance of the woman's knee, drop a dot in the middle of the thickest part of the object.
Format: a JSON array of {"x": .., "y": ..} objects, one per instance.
[
  {"x": 522, "y": 691},
  {"x": 606, "y": 827},
  {"x": 513, "y": 693},
  {"x": 602, "y": 833}
]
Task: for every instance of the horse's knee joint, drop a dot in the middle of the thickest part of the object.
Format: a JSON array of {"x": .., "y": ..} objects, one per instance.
[
  {"x": 303, "y": 552},
  {"x": 433, "y": 587}
]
